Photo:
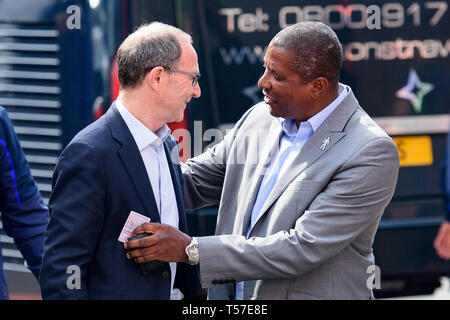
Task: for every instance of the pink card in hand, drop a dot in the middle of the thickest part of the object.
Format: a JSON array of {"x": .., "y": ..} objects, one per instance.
[{"x": 134, "y": 220}]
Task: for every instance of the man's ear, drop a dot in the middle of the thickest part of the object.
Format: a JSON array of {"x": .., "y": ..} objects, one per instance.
[
  {"x": 154, "y": 77},
  {"x": 319, "y": 87}
]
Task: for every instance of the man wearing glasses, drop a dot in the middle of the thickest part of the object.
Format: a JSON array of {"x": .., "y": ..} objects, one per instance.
[
  {"x": 119, "y": 164},
  {"x": 301, "y": 181}
]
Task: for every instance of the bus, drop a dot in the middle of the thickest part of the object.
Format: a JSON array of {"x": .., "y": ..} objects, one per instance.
[{"x": 57, "y": 74}]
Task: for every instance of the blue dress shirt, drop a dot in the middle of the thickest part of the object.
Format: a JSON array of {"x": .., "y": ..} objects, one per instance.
[{"x": 291, "y": 143}]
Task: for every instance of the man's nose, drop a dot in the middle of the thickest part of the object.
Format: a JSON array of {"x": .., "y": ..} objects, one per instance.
[
  {"x": 196, "y": 93},
  {"x": 263, "y": 83}
]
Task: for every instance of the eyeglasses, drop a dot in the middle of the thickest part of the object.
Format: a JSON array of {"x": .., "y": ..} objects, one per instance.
[{"x": 195, "y": 76}]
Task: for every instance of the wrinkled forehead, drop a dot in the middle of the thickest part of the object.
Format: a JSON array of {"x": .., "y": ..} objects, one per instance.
[{"x": 189, "y": 57}]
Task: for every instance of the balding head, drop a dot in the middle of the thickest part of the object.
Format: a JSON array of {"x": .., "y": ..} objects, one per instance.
[
  {"x": 316, "y": 49},
  {"x": 152, "y": 45}
]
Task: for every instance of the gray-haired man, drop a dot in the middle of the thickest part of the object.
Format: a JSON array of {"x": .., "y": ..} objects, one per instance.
[{"x": 119, "y": 164}]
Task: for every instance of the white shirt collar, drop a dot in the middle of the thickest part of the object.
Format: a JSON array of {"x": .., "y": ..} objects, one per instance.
[{"x": 141, "y": 134}]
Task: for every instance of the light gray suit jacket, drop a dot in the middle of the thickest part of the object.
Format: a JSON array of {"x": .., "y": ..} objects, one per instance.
[{"x": 313, "y": 239}]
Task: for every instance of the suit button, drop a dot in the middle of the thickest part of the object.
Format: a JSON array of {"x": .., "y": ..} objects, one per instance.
[{"x": 165, "y": 274}]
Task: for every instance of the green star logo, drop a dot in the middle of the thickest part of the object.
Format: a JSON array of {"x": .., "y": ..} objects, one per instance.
[{"x": 408, "y": 92}]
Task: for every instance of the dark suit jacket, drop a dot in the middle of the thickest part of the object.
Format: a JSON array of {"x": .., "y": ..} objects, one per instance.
[{"x": 100, "y": 177}]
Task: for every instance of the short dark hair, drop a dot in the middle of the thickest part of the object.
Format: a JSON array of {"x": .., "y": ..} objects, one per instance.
[
  {"x": 317, "y": 50},
  {"x": 151, "y": 45}
]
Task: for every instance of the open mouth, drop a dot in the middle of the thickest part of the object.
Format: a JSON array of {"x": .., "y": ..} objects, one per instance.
[{"x": 268, "y": 99}]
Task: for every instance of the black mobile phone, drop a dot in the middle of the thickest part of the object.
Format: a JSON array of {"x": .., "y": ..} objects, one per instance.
[
  {"x": 147, "y": 267},
  {"x": 140, "y": 235}
]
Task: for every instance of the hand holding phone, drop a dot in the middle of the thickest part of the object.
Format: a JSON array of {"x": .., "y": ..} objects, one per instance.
[
  {"x": 147, "y": 267},
  {"x": 140, "y": 235}
]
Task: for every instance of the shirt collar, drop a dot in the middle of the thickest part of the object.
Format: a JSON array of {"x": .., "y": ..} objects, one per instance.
[
  {"x": 290, "y": 127},
  {"x": 141, "y": 134}
]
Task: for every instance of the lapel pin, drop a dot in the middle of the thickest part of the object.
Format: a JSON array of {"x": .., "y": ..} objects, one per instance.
[{"x": 325, "y": 142}]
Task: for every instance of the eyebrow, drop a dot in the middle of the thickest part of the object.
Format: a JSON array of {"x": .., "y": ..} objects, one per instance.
[
  {"x": 265, "y": 66},
  {"x": 272, "y": 70}
]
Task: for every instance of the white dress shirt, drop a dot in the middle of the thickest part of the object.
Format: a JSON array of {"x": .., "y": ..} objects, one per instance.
[{"x": 151, "y": 147}]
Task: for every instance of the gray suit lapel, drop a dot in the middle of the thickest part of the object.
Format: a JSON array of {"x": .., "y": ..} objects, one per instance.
[
  {"x": 328, "y": 134},
  {"x": 309, "y": 154},
  {"x": 270, "y": 149}
]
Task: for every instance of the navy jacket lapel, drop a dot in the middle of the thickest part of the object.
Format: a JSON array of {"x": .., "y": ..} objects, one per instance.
[
  {"x": 133, "y": 163},
  {"x": 177, "y": 180}
]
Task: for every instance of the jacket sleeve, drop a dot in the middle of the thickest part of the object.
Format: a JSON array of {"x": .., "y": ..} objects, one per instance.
[
  {"x": 343, "y": 211},
  {"x": 204, "y": 175},
  {"x": 77, "y": 215},
  {"x": 24, "y": 215}
]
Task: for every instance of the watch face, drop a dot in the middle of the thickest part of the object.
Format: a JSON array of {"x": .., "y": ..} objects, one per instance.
[{"x": 193, "y": 252}]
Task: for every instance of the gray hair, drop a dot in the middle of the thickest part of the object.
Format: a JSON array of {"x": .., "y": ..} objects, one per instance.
[
  {"x": 151, "y": 45},
  {"x": 316, "y": 49}
]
